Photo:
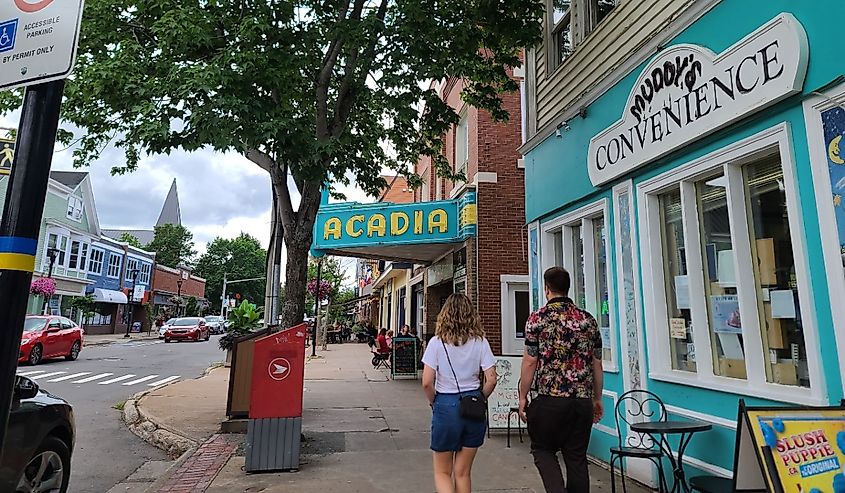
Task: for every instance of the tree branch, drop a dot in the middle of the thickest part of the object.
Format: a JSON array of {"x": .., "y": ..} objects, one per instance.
[
  {"x": 321, "y": 85},
  {"x": 262, "y": 159}
]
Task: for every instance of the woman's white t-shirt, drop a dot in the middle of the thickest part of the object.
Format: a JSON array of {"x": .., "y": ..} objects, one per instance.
[{"x": 467, "y": 360}]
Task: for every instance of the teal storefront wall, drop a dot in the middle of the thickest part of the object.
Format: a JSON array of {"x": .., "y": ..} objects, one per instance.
[{"x": 557, "y": 182}]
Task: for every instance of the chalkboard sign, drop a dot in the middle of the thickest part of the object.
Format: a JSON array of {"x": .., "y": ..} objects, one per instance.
[
  {"x": 506, "y": 394},
  {"x": 405, "y": 357}
]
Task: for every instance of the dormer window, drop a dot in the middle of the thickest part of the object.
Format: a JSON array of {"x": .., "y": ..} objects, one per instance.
[{"x": 74, "y": 208}]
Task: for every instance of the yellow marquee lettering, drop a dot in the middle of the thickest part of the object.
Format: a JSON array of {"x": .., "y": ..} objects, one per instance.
[
  {"x": 418, "y": 222},
  {"x": 351, "y": 228},
  {"x": 397, "y": 229},
  {"x": 376, "y": 225},
  {"x": 438, "y": 219},
  {"x": 332, "y": 228}
]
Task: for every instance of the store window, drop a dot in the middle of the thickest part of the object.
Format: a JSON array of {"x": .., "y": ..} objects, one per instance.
[
  {"x": 678, "y": 329},
  {"x": 744, "y": 316},
  {"x": 579, "y": 243}
]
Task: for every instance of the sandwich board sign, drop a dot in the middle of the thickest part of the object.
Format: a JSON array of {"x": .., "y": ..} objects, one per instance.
[
  {"x": 38, "y": 40},
  {"x": 790, "y": 449}
]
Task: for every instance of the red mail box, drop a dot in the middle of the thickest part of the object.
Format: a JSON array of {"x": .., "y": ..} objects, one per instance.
[{"x": 278, "y": 372}]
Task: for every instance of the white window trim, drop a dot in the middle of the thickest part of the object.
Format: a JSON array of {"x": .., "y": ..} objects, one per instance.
[
  {"x": 732, "y": 156},
  {"x": 584, "y": 217},
  {"x": 510, "y": 343},
  {"x": 131, "y": 264},
  {"x": 81, "y": 207},
  {"x": 813, "y": 108},
  {"x": 91, "y": 252},
  {"x": 119, "y": 266}
]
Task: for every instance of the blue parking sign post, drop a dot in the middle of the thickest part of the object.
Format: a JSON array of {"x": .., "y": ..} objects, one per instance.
[{"x": 38, "y": 40}]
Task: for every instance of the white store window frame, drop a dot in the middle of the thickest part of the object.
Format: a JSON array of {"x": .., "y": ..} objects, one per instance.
[
  {"x": 117, "y": 266},
  {"x": 583, "y": 217},
  {"x": 731, "y": 159},
  {"x": 511, "y": 345},
  {"x": 813, "y": 108}
]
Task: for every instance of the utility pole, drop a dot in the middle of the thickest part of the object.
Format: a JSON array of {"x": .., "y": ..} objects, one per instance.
[
  {"x": 20, "y": 225},
  {"x": 317, "y": 308},
  {"x": 223, "y": 303}
]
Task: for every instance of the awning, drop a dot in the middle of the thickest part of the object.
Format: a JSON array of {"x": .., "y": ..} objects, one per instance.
[{"x": 109, "y": 296}]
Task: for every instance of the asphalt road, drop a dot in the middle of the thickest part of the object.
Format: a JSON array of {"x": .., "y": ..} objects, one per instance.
[{"x": 103, "y": 377}]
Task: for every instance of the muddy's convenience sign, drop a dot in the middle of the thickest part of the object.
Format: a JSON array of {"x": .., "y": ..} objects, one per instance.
[{"x": 354, "y": 225}]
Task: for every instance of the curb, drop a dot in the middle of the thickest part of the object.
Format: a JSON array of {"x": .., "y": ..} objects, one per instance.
[
  {"x": 157, "y": 484},
  {"x": 174, "y": 442}
]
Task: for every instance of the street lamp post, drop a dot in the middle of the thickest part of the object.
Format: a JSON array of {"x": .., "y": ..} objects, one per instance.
[
  {"x": 134, "y": 274},
  {"x": 52, "y": 253},
  {"x": 179, "y": 297}
]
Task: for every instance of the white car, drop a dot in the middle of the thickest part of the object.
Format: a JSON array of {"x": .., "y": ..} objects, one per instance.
[{"x": 164, "y": 328}]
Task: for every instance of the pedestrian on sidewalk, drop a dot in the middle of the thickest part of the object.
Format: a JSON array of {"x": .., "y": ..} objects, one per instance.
[
  {"x": 454, "y": 360},
  {"x": 563, "y": 351}
]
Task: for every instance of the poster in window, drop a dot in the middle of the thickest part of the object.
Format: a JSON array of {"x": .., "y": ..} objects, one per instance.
[
  {"x": 7, "y": 155},
  {"x": 725, "y": 314},
  {"x": 833, "y": 122}
]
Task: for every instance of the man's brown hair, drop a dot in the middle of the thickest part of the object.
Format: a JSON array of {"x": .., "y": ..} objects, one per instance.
[{"x": 557, "y": 280}]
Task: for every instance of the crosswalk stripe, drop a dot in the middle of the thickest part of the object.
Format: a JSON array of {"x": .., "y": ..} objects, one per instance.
[
  {"x": 164, "y": 381},
  {"x": 95, "y": 377},
  {"x": 133, "y": 382},
  {"x": 28, "y": 373},
  {"x": 47, "y": 375},
  {"x": 68, "y": 377},
  {"x": 118, "y": 379}
]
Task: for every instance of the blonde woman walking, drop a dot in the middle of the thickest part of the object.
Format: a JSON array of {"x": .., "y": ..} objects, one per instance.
[{"x": 453, "y": 362}]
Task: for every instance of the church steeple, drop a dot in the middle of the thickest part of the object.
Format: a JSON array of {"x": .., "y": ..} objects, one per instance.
[{"x": 170, "y": 213}]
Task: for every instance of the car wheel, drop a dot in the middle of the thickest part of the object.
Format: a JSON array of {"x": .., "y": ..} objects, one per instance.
[
  {"x": 166, "y": 340},
  {"x": 48, "y": 470},
  {"x": 74, "y": 351},
  {"x": 36, "y": 354},
  {"x": 208, "y": 335}
]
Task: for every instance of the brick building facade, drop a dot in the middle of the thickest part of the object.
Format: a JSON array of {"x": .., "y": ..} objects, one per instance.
[{"x": 169, "y": 283}]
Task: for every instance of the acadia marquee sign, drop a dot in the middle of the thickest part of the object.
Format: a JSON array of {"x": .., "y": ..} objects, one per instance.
[{"x": 688, "y": 92}]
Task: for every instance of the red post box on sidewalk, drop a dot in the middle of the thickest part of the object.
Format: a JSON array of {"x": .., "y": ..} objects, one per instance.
[{"x": 275, "y": 405}]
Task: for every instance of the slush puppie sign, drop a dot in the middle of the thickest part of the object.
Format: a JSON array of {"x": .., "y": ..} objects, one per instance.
[{"x": 687, "y": 92}]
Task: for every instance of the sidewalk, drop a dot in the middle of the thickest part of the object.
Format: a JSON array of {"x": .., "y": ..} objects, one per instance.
[
  {"x": 104, "y": 339},
  {"x": 363, "y": 432}
]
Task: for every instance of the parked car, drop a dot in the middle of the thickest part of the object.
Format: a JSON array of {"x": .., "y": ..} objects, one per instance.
[
  {"x": 47, "y": 337},
  {"x": 187, "y": 329},
  {"x": 216, "y": 324},
  {"x": 164, "y": 327},
  {"x": 39, "y": 441}
]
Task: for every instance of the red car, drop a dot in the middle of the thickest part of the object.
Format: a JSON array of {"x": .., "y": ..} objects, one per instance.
[
  {"x": 187, "y": 329},
  {"x": 49, "y": 337}
]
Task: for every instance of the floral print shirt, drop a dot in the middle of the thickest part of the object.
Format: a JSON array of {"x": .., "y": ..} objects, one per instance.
[{"x": 566, "y": 339}]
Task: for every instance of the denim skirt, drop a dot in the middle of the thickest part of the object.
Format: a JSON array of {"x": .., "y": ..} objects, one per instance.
[{"x": 449, "y": 431}]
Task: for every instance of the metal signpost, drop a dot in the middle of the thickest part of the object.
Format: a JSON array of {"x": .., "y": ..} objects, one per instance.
[{"x": 38, "y": 40}]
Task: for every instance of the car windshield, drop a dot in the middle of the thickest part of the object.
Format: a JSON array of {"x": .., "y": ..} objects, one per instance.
[
  {"x": 212, "y": 319},
  {"x": 186, "y": 322},
  {"x": 170, "y": 322},
  {"x": 33, "y": 324}
]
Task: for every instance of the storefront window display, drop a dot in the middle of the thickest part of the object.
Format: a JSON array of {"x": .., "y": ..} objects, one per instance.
[
  {"x": 749, "y": 311},
  {"x": 679, "y": 327}
]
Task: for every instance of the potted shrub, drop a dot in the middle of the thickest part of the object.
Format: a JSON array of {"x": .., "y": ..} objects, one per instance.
[{"x": 245, "y": 318}]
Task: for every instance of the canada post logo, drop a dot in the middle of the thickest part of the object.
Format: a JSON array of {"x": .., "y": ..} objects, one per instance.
[{"x": 30, "y": 6}]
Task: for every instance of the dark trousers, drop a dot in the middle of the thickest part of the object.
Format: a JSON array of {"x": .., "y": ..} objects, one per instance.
[{"x": 560, "y": 424}]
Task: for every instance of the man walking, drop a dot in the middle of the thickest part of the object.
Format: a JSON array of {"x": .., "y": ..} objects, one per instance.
[{"x": 563, "y": 348}]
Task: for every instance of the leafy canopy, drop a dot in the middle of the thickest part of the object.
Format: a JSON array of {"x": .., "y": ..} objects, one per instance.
[
  {"x": 174, "y": 245},
  {"x": 131, "y": 239},
  {"x": 241, "y": 258}
]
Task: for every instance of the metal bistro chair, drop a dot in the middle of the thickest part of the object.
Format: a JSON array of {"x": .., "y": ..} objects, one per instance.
[{"x": 635, "y": 406}]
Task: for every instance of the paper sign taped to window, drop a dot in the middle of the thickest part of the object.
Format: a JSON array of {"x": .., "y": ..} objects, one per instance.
[{"x": 678, "y": 328}]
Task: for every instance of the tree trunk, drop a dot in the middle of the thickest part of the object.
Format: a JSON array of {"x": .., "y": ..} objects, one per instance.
[{"x": 296, "y": 278}]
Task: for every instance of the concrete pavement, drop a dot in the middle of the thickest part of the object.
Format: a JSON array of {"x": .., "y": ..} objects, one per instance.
[{"x": 363, "y": 432}]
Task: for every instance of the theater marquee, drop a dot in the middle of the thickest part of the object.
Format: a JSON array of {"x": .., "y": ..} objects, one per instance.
[{"x": 688, "y": 92}]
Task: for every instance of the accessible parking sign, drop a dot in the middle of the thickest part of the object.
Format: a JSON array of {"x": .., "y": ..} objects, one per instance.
[{"x": 38, "y": 40}]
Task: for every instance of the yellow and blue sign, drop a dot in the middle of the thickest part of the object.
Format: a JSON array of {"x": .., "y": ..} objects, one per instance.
[
  {"x": 356, "y": 225},
  {"x": 17, "y": 253}
]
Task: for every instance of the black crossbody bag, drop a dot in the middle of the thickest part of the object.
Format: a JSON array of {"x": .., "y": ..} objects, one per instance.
[{"x": 472, "y": 407}]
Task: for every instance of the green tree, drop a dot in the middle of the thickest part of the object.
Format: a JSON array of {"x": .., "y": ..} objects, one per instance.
[
  {"x": 332, "y": 272},
  {"x": 320, "y": 91},
  {"x": 192, "y": 307},
  {"x": 245, "y": 318},
  {"x": 131, "y": 239},
  {"x": 173, "y": 245},
  {"x": 85, "y": 305},
  {"x": 340, "y": 305},
  {"x": 241, "y": 258}
]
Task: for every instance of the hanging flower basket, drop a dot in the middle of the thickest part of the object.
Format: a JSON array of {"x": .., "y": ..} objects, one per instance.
[
  {"x": 325, "y": 289},
  {"x": 43, "y": 286}
]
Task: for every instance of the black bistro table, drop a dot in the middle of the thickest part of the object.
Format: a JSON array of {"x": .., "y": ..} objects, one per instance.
[{"x": 659, "y": 431}]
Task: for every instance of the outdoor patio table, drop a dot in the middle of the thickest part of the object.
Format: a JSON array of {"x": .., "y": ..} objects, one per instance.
[{"x": 659, "y": 431}]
